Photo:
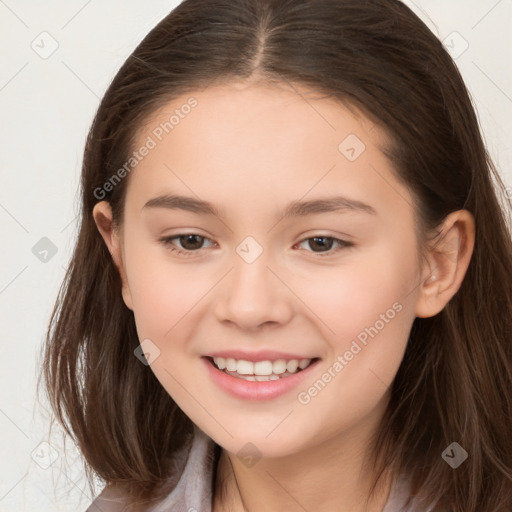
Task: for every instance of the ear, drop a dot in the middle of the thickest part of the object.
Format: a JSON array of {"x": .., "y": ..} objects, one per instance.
[
  {"x": 447, "y": 260},
  {"x": 102, "y": 214}
]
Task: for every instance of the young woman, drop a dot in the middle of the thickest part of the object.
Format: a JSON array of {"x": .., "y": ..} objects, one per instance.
[{"x": 292, "y": 286}]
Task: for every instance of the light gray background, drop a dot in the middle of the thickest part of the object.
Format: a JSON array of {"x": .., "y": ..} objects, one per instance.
[{"x": 47, "y": 105}]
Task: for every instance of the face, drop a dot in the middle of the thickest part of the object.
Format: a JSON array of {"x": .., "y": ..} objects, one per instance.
[{"x": 335, "y": 280}]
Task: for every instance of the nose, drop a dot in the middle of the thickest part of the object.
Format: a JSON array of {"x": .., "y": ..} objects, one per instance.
[{"x": 253, "y": 295}]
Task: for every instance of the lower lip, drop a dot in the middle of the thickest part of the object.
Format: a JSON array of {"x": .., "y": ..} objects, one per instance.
[{"x": 254, "y": 390}]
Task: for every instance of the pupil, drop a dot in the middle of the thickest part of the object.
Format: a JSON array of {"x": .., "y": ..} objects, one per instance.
[
  {"x": 321, "y": 245},
  {"x": 185, "y": 239}
]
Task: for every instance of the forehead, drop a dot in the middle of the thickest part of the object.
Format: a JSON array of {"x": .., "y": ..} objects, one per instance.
[
  {"x": 261, "y": 139},
  {"x": 279, "y": 110}
]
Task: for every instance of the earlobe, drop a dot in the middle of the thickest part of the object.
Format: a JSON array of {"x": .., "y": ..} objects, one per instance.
[
  {"x": 447, "y": 262},
  {"x": 102, "y": 214}
]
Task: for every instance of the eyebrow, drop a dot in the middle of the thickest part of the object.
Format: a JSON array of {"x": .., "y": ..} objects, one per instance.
[{"x": 294, "y": 209}]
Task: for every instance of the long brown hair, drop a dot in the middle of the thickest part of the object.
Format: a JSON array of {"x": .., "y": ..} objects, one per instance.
[{"x": 454, "y": 383}]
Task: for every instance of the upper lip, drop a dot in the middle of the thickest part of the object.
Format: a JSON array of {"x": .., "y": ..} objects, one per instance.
[{"x": 262, "y": 355}]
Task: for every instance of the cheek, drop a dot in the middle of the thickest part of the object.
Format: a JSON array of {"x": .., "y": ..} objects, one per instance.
[
  {"x": 162, "y": 292},
  {"x": 366, "y": 316},
  {"x": 166, "y": 304},
  {"x": 352, "y": 296},
  {"x": 366, "y": 309}
]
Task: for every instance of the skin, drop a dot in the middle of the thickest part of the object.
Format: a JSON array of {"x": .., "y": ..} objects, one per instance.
[{"x": 250, "y": 149}]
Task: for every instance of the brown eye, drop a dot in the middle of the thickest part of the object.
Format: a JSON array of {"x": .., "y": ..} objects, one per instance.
[
  {"x": 191, "y": 242},
  {"x": 324, "y": 244}
]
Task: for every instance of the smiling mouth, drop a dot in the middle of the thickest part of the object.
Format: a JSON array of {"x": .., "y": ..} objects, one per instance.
[{"x": 263, "y": 370}]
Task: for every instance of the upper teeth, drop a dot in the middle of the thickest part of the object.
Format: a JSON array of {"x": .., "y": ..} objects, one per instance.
[{"x": 261, "y": 367}]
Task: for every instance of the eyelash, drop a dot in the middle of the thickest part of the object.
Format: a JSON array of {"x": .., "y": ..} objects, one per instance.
[{"x": 167, "y": 242}]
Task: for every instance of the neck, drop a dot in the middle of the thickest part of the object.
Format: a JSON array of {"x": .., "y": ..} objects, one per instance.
[{"x": 332, "y": 476}]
